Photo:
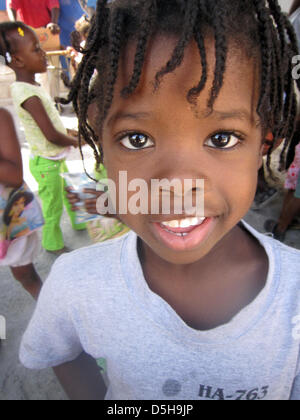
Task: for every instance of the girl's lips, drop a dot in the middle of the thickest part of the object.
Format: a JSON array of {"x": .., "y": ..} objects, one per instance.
[{"x": 184, "y": 239}]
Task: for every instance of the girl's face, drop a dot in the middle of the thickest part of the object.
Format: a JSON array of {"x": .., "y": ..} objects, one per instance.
[
  {"x": 158, "y": 135},
  {"x": 30, "y": 55},
  {"x": 18, "y": 207}
]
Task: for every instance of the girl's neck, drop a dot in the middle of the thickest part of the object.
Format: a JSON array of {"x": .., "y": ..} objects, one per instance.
[
  {"x": 210, "y": 292},
  {"x": 26, "y": 77},
  {"x": 211, "y": 267}
]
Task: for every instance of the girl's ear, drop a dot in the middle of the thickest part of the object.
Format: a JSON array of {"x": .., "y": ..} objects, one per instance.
[{"x": 17, "y": 62}]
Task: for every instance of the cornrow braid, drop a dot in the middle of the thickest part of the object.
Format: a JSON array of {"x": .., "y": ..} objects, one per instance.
[
  {"x": 221, "y": 48},
  {"x": 190, "y": 15},
  {"x": 256, "y": 27},
  {"x": 278, "y": 62},
  {"x": 276, "y": 86},
  {"x": 195, "y": 91},
  {"x": 149, "y": 11},
  {"x": 276, "y": 56},
  {"x": 280, "y": 22},
  {"x": 115, "y": 44},
  {"x": 289, "y": 134},
  {"x": 265, "y": 26},
  {"x": 286, "y": 106},
  {"x": 85, "y": 131}
]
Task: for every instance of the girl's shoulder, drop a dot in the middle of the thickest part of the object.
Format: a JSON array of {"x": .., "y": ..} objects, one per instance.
[
  {"x": 19, "y": 88},
  {"x": 21, "y": 91}
]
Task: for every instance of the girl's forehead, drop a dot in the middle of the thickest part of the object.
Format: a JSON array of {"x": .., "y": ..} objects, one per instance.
[
  {"x": 161, "y": 47},
  {"x": 241, "y": 77}
]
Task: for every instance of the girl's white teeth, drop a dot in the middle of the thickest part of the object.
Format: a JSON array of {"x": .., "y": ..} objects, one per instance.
[{"x": 184, "y": 223}]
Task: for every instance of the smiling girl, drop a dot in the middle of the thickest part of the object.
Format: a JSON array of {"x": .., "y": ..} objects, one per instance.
[{"x": 181, "y": 307}]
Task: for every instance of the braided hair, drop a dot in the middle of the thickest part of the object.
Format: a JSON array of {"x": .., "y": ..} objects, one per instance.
[
  {"x": 256, "y": 26},
  {"x": 7, "y": 46}
]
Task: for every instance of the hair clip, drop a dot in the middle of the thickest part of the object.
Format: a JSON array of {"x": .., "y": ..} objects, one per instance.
[
  {"x": 8, "y": 57},
  {"x": 21, "y": 32}
]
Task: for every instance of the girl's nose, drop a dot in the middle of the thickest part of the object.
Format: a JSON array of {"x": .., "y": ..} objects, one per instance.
[{"x": 185, "y": 160}]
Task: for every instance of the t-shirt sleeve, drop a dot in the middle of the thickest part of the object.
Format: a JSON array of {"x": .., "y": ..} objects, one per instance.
[{"x": 51, "y": 338}]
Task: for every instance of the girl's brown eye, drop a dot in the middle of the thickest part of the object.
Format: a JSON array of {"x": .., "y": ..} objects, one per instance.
[
  {"x": 223, "y": 140},
  {"x": 136, "y": 141}
]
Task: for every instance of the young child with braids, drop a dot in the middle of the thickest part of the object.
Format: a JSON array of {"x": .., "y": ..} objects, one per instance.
[
  {"x": 47, "y": 137},
  {"x": 21, "y": 252},
  {"x": 181, "y": 307}
]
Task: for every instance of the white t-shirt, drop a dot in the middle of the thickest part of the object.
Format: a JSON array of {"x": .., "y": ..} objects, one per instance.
[{"x": 97, "y": 300}]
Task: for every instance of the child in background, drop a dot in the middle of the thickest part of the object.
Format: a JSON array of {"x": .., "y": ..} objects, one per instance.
[
  {"x": 83, "y": 26},
  {"x": 182, "y": 307},
  {"x": 47, "y": 137},
  {"x": 22, "y": 251},
  {"x": 78, "y": 40},
  {"x": 291, "y": 203},
  {"x": 104, "y": 228}
]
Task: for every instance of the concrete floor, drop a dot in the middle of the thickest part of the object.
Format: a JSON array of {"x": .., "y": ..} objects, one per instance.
[{"x": 16, "y": 382}]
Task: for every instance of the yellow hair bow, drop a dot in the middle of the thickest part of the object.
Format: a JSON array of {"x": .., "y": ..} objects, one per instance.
[{"x": 21, "y": 32}]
